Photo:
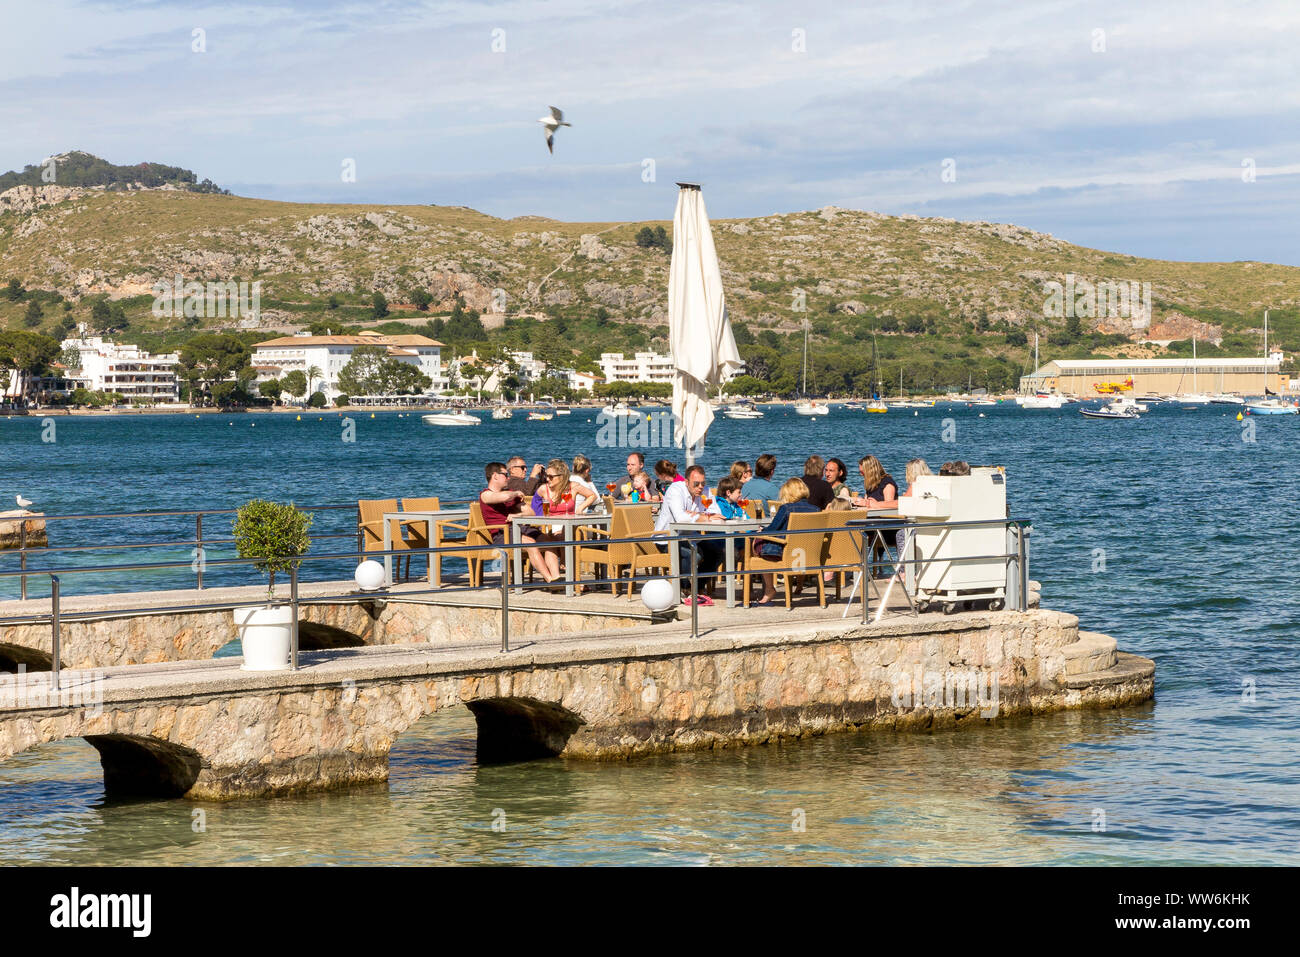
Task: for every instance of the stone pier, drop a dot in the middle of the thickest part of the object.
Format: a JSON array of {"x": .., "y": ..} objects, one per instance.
[
  {"x": 102, "y": 631},
  {"x": 208, "y": 730}
]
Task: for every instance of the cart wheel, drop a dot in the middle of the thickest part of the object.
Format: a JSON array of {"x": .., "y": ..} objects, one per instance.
[
  {"x": 922, "y": 607},
  {"x": 949, "y": 607},
  {"x": 996, "y": 604}
]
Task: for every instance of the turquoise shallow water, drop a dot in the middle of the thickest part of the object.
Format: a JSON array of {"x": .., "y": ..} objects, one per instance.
[{"x": 1198, "y": 570}]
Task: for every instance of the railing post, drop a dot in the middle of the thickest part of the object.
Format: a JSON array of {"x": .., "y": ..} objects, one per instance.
[
  {"x": 22, "y": 556},
  {"x": 198, "y": 543},
  {"x": 293, "y": 624},
  {"x": 506, "y": 565},
  {"x": 1022, "y": 568},
  {"x": 361, "y": 536},
  {"x": 54, "y": 629},
  {"x": 866, "y": 578},
  {"x": 695, "y": 589}
]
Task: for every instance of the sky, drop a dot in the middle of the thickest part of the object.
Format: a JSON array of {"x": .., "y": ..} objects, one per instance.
[{"x": 1169, "y": 130}]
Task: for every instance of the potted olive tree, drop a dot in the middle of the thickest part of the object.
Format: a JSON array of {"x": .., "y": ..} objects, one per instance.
[{"x": 275, "y": 536}]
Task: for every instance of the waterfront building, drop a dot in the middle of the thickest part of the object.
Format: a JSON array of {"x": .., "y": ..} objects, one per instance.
[
  {"x": 1089, "y": 378},
  {"x": 108, "y": 366},
  {"x": 275, "y": 358},
  {"x": 641, "y": 367}
]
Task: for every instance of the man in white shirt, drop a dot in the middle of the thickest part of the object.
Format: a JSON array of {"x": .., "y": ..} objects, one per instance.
[{"x": 683, "y": 503}]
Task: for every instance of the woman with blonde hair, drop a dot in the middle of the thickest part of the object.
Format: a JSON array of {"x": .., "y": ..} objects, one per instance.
[
  {"x": 580, "y": 475},
  {"x": 881, "y": 491},
  {"x": 793, "y": 498},
  {"x": 915, "y": 469}
]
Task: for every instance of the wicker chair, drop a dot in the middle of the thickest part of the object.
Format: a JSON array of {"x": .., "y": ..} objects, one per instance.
[
  {"x": 417, "y": 533},
  {"x": 843, "y": 548},
  {"x": 803, "y": 545},
  {"x": 629, "y": 521},
  {"x": 370, "y": 523}
]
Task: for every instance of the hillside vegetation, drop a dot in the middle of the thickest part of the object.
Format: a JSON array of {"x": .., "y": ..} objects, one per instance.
[{"x": 949, "y": 302}]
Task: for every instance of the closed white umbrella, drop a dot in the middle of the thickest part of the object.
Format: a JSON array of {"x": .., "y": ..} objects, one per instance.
[{"x": 699, "y": 332}]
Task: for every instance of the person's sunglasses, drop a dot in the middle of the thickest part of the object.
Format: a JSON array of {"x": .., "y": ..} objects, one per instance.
[{"x": 552, "y": 475}]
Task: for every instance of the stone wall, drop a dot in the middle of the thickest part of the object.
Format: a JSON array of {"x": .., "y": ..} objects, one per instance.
[
  {"x": 600, "y": 700},
  {"x": 177, "y": 636}
]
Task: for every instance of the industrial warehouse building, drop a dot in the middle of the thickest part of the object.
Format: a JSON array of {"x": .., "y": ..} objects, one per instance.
[{"x": 1092, "y": 377}]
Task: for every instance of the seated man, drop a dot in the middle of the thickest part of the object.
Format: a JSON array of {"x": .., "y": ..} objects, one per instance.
[
  {"x": 683, "y": 503},
  {"x": 498, "y": 503},
  {"x": 635, "y": 465}
]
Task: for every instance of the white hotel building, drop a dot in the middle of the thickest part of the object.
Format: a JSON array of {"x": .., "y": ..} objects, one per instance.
[
  {"x": 277, "y": 357},
  {"x": 642, "y": 367},
  {"x": 128, "y": 369}
]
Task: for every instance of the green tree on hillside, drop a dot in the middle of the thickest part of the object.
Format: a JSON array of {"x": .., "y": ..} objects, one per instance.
[
  {"x": 379, "y": 305},
  {"x": 13, "y": 290},
  {"x": 32, "y": 318},
  {"x": 421, "y": 299}
]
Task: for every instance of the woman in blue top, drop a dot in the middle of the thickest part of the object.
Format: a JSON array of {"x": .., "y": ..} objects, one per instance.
[{"x": 793, "y": 498}]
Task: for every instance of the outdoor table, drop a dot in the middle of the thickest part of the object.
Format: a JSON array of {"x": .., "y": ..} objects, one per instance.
[
  {"x": 731, "y": 526},
  {"x": 428, "y": 518},
  {"x": 569, "y": 523}
]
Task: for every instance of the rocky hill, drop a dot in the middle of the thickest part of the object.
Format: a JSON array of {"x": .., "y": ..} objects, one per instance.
[{"x": 964, "y": 289}]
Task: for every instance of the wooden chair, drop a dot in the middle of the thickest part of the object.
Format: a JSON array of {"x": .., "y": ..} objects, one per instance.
[
  {"x": 802, "y": 548},
  {"x": 417, "y": 533},
  {"x": 479, "y": 532},
  {"x": 843, "y": 548},
  {"x": 370, "y": 523},
  {"x": 629, "y": 521}
]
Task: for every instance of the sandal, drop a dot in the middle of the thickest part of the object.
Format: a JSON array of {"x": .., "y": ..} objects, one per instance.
[{"x": 697, "y": 600}]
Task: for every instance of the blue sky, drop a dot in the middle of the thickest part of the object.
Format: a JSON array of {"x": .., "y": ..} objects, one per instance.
[{"x": 1118, "y": 126}]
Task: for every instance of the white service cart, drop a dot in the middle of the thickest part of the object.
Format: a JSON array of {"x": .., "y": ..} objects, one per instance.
[{"x": 941, "y": 574}]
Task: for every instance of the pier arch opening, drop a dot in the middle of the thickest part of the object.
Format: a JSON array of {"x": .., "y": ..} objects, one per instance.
[
  {"x": 31, "y": 659},
  {"x": 521, "y": 729},
  {"x": 136, "y": 766}
]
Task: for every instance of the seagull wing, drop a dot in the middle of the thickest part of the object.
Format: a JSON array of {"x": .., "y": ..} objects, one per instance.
[
  {"x": 550, "y": 141},
  {"x": 557, "y": 114}
]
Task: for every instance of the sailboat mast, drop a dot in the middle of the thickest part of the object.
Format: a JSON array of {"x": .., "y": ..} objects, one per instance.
[{"x": 804, "y": 389}]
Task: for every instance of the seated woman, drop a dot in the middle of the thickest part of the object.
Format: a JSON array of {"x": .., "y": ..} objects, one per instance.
[
  {"x": 557, "y": 496},
  {"x": 881, "y": 489},
  {"x": 665, "y": 475},
  {"x": 498, "y": 503},
  {"x": 915, "y": 469},
  {"x": 729, "y": 497},
  {"x": 793, "y": 498},
  {"x": 740, "y": 471},
  {"x": 580, "y": 476}
]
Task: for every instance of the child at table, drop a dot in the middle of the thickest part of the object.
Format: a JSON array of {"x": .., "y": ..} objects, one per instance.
[
  {"x": 642, "y": 489},
  {"x": 729, "y": 498}
]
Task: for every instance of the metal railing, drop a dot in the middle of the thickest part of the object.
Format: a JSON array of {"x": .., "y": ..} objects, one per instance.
[
  {"x": 870, "y": 532},
  {"x": 198, "y": 543}
]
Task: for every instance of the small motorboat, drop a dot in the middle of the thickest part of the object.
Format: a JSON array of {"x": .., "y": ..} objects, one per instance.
[
  {"x": 563, "y": 411},
  {"x": 741, "y": 410},
  {"x": 1226, "y": 398},
  {"x": 618, "y": 410},
  {"x": 540, "y": 416},
  {"x": 807, "y": 407},
  {"x": 1270, "y": 406},
  {"x": 502, "y": 412},
  {"x": 1041, "y": 400},
  {"x": 451, "y": 418},
  {"x": 1110, "y": 412}
]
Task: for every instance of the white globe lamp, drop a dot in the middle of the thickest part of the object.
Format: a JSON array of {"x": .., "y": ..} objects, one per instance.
[
  {"x": 369, "y": 575},
  {"x": 658, "y": 594}
]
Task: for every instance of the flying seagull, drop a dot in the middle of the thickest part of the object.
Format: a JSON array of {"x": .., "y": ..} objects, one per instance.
[
  {"x": 22, "y": 502},
  {"x": 553, "y": 123}
]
